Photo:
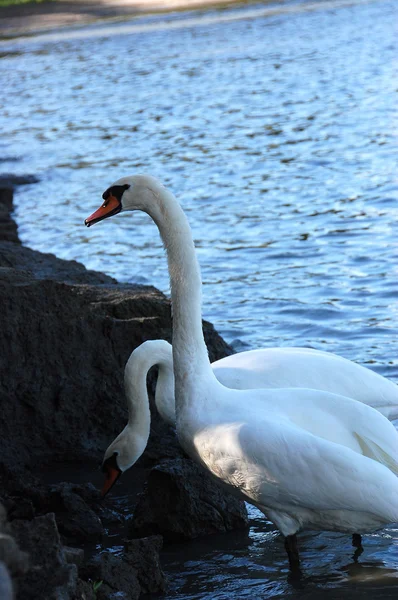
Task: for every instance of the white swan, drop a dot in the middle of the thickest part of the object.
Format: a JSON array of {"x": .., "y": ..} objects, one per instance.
[
  {"x": 254, "y": 369},
  {"x": 306, "y": 458}
]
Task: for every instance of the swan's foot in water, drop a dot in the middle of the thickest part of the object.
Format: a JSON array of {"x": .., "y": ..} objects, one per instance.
[
  {"x": 293, "y": 553},
  {"x": 356, "y": 540},
  {"x": 357, "y": 543}
]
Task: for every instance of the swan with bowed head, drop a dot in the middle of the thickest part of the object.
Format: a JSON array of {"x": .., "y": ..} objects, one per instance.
[{"x": 305, "y": 445}]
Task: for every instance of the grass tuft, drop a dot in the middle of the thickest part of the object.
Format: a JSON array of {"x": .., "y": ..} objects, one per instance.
[{"x": 5, "y": 3}]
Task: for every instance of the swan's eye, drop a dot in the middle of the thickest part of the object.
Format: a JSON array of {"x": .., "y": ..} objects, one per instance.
[{"x": 104, "y": 205}]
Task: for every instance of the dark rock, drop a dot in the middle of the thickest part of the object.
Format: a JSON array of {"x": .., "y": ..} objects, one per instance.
[
  {"x": 143, "y": 556},
  {"x": 17, "y": 262},
  {"x": 11, "y": 180},
  {"x": 133, "y": 573},
  {"x": 10, "y": 554},
  {"x": 85, "y": 591},
  {"x": 8, "y": 227},
  {"x": 20, "y": 508},
  {"x": 74, "y": 556},
  {"x": 75, "y": 519},
  {"x": 50, "y": 577},
  {"x": 182, "y": 502},
  {"x": 63, "y": 350},
  {"x": 16, "y": 561}
]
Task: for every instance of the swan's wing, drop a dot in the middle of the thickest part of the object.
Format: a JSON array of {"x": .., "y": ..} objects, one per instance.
[
  {"x": 372, "y": 450},
  {"x": 338, "y": 419},
  {"x": 307, "y": 368},
  {"x": 280, "y": 466}
]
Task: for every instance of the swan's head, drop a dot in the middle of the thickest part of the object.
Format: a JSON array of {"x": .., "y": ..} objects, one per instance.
[
  {"x": 122, "y": 454},
  {"x": 136, "y": 192}
]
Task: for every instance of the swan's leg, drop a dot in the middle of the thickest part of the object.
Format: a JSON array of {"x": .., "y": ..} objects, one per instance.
[
  {"x": 356, "y": 540},
  {"x": 357, "y": 543},
  {"x": 292, "y": 552}
]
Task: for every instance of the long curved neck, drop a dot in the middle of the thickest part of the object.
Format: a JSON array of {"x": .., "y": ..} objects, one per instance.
[
  {"x": 165, "y": 394},
  {"x": 136, "y": 391},
  {"x": 190, "y": 355}
]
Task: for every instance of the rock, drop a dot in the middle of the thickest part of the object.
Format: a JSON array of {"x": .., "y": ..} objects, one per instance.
[
  {"x": 20, "y": 508},
  {"x": 75, "y": 519},
  {"x": 72, "y": 342},
  {"x": 137, "y": 571},
  {"x": 182, "y": 502},
  {"x": 11, "y": 555},
  {"x": 16, "y": 561},
  {"x": 49, "y": 577},
  {"x": 85, "y": 591},
  {"x": 143, "y": 556},
  {"x": 11, "y": 180},
  {"x": 74, "y": 556},
  {"x": 8, "y": 227},
  {"x": 3, "y": 517}
]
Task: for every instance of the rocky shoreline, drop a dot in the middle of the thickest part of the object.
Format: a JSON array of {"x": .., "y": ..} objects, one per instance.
[{"x": 66, "y": 334}]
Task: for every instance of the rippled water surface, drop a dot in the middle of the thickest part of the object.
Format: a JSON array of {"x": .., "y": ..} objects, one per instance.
[{"x": 278, "y": 133}]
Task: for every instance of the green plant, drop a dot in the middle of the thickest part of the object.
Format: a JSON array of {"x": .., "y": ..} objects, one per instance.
[{"x": 97, "y": 585}]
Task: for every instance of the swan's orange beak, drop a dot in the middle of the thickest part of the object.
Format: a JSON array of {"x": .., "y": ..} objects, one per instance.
[
  {"x": 111, "y": 476},
  {"x": 110, "y": 207}
]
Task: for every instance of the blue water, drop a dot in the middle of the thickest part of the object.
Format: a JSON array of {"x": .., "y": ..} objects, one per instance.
[{"x": 278, "y": 133}]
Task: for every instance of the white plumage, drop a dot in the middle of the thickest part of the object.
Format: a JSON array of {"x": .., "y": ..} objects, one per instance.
[{"x": 307, "y": 458}]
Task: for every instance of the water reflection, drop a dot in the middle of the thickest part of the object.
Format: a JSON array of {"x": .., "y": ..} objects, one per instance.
[{"x": 253, "y": 565}]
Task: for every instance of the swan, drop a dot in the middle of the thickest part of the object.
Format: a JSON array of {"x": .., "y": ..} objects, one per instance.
[
  {"x": 308, "y": 459},
  {"x": 268, "y": 368}
]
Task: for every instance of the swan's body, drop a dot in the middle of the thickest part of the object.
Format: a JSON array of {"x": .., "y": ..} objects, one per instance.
[
  {"x": 254, "y": 369},
  {"x": 306, "y": 458},
  {"x": 276, "y": 368}
]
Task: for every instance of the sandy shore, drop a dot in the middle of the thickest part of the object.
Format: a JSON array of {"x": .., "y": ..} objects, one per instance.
[{"x": 34, "y": 18}]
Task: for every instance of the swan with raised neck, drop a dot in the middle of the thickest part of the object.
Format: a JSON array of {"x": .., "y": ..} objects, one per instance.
[{"x": 306, "y": 458}]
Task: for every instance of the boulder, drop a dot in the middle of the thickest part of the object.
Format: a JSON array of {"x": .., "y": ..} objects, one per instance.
[
  {"x": 13, "y": 562},
  {"x": 64, "y": 346},
  {"x": 50, "y": 576},
  {"x": 181, "y": 502},
  {"x": 8, "y": 227},
  {"x": 76, "y": 521},
  {"x": 134, "y": 572}
]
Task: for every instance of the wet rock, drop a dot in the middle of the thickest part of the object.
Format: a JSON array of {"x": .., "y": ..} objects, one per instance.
[
  {"x": 20, "y": 508},
  {"x": 137, "y": 571},
  {"x": 75, "y": 519},
  {"x": 11, "y": 180},
  {"x": 74, "y": 556},
  {"x": 49, "y": 577},
  {"x": 143, "y": 556},
  {"x": 8, "y": 227},
  {"x": 182, "y": 502}
]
